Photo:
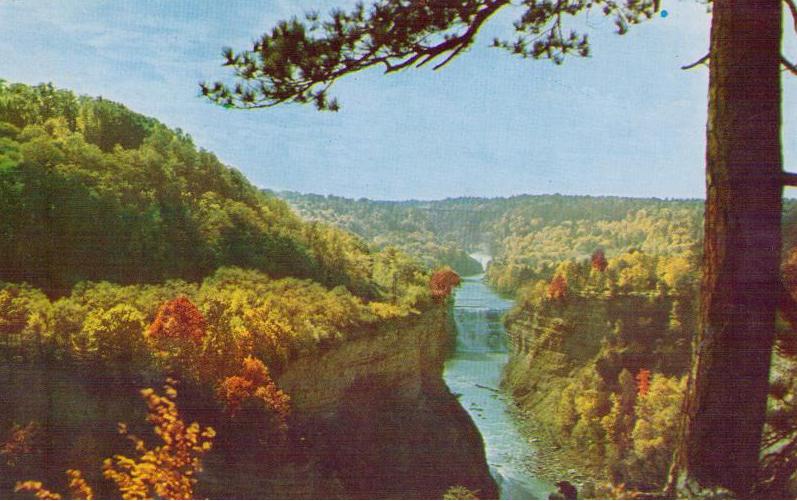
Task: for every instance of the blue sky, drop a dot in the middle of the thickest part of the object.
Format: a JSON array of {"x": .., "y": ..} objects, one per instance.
[{"x": 626, "y": 121}]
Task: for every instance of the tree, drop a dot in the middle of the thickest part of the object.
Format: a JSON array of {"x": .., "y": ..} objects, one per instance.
[
  {"x": 117, "y": 336},
  {"x": 557, "y": 289},
  {"x": 255, "y": 385},
  {"x": 599, "y": 261},
  {"x": 741, "y": 288},
  {"x": 443, "y": 282},
  {"x": 166, "y": 471},
  {"x": 177, "y": 334},
  {"x": 298, "y": 62}
]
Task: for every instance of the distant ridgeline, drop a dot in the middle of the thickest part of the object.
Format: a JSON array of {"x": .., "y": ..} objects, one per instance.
[
  {"x": 527, "y": 235},
  {"x": 409, "y": 226}
]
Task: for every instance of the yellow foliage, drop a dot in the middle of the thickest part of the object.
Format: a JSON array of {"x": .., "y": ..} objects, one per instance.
[
  {"x": 385, "y": 311},
  {"x": 166, "y": 472},
  {"x": 658, "y": 413},
  {"x": 78, "y": 487},
  {"x": 37, "y": 489},
  {"x": 675, "y": 271}
]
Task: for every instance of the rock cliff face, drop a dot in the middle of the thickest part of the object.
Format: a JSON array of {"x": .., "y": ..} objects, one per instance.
[
  {"x": 550, "y": 346},
  {"x": 371, "y": 418},
  {"x": 378, "y": 420}
]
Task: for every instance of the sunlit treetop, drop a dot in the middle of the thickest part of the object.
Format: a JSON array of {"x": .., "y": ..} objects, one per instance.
[{"x": 300, "y": 59}]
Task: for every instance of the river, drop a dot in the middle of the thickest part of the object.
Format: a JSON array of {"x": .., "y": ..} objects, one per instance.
[{"x": 474, "y": 373}]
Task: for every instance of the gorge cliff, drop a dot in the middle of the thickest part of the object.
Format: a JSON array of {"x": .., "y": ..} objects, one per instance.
[{"x": 371, "y": 418}]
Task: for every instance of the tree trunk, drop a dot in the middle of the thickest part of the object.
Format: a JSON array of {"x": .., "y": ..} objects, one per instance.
[{"x": 726, "y": 401}]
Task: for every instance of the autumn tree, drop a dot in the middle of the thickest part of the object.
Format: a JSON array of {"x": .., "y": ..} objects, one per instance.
[
  {"x": 598, "y": 260},
  {"x": 177, "y": 333},
  {"x": 643, "y": 382},
  {"x": 166, "y": 471},
  {"x": 443, "y": 282},
  {"x": 557, "y": 289},
  {"x": 298, "y": 61},
  {"x": 255, "y": 385},
  {"x": 115, "y": 336}
]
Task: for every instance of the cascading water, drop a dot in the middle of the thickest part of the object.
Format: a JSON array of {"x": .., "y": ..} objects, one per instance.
[{"x": 474, "y": 373}]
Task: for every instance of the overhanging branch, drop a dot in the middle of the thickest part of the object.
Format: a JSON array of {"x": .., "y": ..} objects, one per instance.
[
  {"x": 788, "y": 65},
  {"x": 702, "y": 60}
]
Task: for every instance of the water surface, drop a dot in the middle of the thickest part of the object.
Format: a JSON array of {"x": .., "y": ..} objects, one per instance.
[{"x": 474, "y": 373}]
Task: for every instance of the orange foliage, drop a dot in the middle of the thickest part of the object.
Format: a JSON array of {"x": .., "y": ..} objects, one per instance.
[
  {"x": 180, "y": 320},
  {"x": 599, "y": 261},
  {"x": 164, "y": 472},
  {"x": 255, "y": 382},
  {"x": 643, "y": 382},
  {"x": 443, "y": 282},
  {"x": 20, "y": 442},
  {"x": 557, "y": 289},
  {"x": 37, "y": 489},
  {"x": 78, "y": 488}
]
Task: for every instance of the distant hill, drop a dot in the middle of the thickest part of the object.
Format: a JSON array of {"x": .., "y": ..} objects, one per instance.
[
  {"x": 90, "y": 190},
  {"x": 409, "y": 226},
  {"x": 526, "y": 235}
]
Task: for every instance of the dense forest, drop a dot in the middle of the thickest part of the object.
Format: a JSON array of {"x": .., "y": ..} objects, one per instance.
[
  {"x": 410, "y": 227},
  {"x": 527, "y": 235},
  {"x": 92, "y": 191}
]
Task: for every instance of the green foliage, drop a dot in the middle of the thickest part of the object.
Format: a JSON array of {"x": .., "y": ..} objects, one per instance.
[
  {"x": 92, "y": 191},
  {"x": 406, "y": 226},
  {"x": 299, "y": 60}
]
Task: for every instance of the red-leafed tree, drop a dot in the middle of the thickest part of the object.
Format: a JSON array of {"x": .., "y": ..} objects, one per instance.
[
  {"x": 643, "y": 382},
  {"x": 599, "y": 261},
  {"x": 255, "y": 386},
  {"x": 178, "y": 320},
  {"x": 557, "y": 289},
  {"x": 443, "y": 282},
  {"x": 176, "y": 334}
]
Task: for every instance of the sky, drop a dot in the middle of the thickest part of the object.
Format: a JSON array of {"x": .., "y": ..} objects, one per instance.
[{"x": 626, "y": 121}]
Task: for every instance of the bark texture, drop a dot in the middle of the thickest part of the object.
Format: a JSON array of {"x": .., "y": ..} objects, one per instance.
[{"x": 726, "y": 404}]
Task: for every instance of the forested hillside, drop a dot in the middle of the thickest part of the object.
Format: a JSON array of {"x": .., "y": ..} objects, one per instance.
[
  {"x": 409, "y": 226},
  {"x": 92, "y": 191},
  {"x": 526, "y": 235}
]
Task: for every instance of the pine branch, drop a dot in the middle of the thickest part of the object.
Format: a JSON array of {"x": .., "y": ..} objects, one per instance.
[
  {"x": 788, "y": 65},
  {"x": 702, "y": 60}
]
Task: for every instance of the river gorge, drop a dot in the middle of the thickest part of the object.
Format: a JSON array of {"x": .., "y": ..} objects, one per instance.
[{"x": 473, "y": 373}]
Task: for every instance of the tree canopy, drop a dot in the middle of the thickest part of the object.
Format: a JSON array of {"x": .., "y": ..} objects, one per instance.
[{"x": 90, "y": 190}]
